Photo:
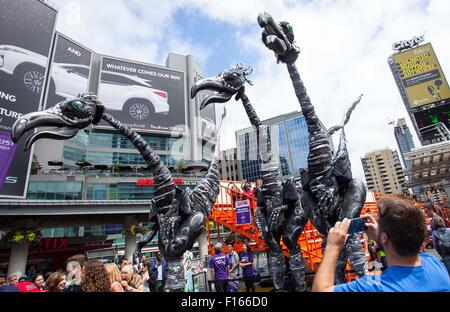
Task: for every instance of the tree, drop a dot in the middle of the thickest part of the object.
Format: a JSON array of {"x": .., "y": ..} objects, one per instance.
[
  {"x": 180, "y": 166},
  {"x": 35, "y": 165}
]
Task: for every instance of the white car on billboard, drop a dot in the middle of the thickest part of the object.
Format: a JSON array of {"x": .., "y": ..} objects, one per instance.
[
  {"x": 208, "y": 128},
  {"x": 29, "y": 69},
  {"x": 132, "y": 95}
]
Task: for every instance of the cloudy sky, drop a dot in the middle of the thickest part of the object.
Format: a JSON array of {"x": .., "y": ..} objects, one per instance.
[{"x": 345, "y": 45}]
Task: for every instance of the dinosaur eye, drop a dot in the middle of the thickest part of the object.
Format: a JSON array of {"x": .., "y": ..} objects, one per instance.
[{"x": 76, "y": 104}]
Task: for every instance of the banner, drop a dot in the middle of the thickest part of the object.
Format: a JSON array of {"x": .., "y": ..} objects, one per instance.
[
  {"x": 26, "y": 34},
  {"x": 144, "y": 97},
  {"x": 70, "y": 71},
  {"x": 421, "y": 76},
  {"x": 243, "y": 212}
]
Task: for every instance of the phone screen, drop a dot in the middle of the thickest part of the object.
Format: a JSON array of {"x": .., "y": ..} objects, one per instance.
[{"x": 357, "y": 225}]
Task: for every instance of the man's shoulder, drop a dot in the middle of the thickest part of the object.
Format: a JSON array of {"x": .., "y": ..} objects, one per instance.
[
  {"x": 429, "y": 258},
  {"x": 367, "y": 283}
]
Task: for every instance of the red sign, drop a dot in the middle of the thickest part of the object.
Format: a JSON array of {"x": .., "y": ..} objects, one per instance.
[
  {"x": 52, "y": 244},
  {"x": 151, "y": 182}
]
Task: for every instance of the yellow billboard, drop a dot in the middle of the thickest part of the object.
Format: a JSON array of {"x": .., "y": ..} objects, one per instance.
[{"x": 421, "y": 75}]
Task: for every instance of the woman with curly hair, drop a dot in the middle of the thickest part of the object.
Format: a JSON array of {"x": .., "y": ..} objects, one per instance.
[{"x": 95, "y": 277}]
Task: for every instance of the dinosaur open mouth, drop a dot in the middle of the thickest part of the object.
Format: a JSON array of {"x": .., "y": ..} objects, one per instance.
[
  {"x": 221, "y": 93},
  {"x": 63, "y": 127}
]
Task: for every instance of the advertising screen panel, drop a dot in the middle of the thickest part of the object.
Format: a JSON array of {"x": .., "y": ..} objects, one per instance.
[
  {"x": 433, "y": 116},
  {"x": 69, "y": 72},
  {"x": 26, "y": 34},
  {"x": 207, "y": 118},
  {"x": 144, "y": 97},
  {"x": 421, "y": 76}
]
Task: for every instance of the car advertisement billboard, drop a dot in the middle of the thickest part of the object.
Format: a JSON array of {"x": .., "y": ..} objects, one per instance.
[
  {"x": 26, "y": 35},
  {"x": 207, "y": 119},
  {"x": 69, "y": 71},
  {"x": 421, "y": 76},
  {"x": 144, "y": 97}
]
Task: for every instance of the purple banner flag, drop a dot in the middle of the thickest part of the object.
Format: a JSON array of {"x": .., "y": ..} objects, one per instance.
[
  {"x": 7, "y": 151},
  {"x": 243, "y": 212}
]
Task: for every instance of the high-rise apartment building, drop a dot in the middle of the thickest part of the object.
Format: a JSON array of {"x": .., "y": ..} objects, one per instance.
[
  {"x": 383, "y": 172},
  {"x": 230, "y": 167}
]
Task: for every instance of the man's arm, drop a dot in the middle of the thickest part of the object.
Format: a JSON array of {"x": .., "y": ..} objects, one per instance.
[{"x": 324, "y": 280}]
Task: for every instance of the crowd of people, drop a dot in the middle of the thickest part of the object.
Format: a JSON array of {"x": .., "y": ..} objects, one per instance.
[{"x": 82, "y": 275}]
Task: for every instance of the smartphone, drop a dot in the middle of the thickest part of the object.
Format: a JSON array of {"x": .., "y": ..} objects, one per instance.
[{"x": 357, "y": 225}]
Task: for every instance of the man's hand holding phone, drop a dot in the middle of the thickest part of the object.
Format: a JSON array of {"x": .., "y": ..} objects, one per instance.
[
  {"x": 338, "y": 235},
  {"x": 372, "y": 227}
]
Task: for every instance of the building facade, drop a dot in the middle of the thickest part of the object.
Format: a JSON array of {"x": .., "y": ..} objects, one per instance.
[
  {"x": 383, "y": 172},
  {"x": 230, "y": 166},
  {"x": 430, "y": 168},
  {"x": 290, "y": 142}
]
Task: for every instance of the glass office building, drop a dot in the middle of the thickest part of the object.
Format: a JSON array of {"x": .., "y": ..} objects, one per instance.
[{"x": 289, "y": 138}]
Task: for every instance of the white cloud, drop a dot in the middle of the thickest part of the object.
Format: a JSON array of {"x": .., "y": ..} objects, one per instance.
[{"x": 140, "y": 30}]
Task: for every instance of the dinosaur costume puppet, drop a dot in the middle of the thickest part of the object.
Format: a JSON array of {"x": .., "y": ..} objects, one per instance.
[
  {"x": 329, "y": 188},
  {"x": 279, "y": 213}
]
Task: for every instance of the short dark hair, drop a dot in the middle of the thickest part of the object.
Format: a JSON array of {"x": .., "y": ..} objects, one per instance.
[
  {"x": 403, "y": 223},
  {"x": 34, "y": 278}
]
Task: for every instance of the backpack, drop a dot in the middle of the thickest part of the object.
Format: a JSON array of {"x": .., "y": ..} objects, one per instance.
[{"x": 444, "y": 241}]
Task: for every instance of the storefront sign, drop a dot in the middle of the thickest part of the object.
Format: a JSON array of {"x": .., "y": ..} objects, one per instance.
[{"x": 151, "y": 182}]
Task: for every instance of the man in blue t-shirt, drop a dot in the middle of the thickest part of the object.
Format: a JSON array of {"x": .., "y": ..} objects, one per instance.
[
  {"x": 220, "y": 266},
  {"x": 399, "y": 231}
]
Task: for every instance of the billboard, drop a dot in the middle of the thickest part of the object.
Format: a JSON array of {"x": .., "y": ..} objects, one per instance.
[
  {"x": 26, "y": 34},
  {"x": 144, "y": 97},
  {"x": 207, "y": 119},
  {"x": 421, "y": 76},
  {"x": 69, "y": 71}
]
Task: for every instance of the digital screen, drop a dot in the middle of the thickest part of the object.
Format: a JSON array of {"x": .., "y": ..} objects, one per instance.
[
  {"x": 433, "y": 116},
  {"x": 421, "y": 76}
]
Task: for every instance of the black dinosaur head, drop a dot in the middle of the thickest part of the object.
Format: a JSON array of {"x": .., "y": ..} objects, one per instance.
[
  {"x": 279, "y": 37},
  {"x": 226, "y": 84},
  {"x": 66, "y": 118}
]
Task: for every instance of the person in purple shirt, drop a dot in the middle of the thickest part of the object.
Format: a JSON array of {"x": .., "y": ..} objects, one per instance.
[
  {"x": 399, "y": 231},
  {"x": 220, "y": 266},
  {"x": 246, "y": 263}
]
